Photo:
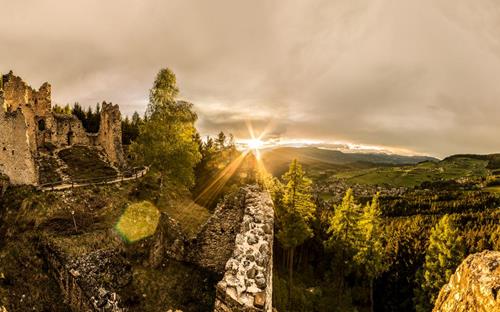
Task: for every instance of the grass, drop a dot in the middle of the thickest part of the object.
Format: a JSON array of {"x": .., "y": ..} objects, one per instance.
[
  {"x": 173, "y": 286},
  {"x": 410, "y": 176},
  {"x": 190, "y": 215},
  {"x": 78, "y": 245},
  {"x": 85, "y": 163},
  {"x": 48, "y": 170},
  {"x": 138, "y": 221}
]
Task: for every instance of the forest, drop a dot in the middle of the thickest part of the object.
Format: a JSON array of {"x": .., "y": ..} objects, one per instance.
[
  {"x": 385, "y": 253},
  {"x": 379, "y": 251}
]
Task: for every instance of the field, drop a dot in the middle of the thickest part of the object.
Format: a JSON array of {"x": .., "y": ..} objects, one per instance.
[
  {"x": 410, "y": 176},
  {"x": 493, "y": 189}
]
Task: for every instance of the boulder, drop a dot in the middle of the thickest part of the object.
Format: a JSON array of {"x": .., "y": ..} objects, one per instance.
[{"x": 475, "y": 286}]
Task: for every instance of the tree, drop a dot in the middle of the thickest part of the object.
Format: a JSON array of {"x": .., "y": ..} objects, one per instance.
[
  {"x": 130, "y": 128},
  {"x": 220, "y": 141},
  {"x": 345, "y": 233},
  {"x": 370, "y": 256},
  {"x": 294, "y": 214},
  {"x": 442, "y": 257},
  {"x": 166, "y": 140},
  {"x": 79, "y": 113}
]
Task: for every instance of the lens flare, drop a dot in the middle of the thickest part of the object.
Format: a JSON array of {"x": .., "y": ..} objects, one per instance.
[{"x": 138, "y": 221}]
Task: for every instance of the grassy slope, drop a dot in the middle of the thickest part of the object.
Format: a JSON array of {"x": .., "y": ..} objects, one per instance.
[
  {"x": 414, "y": 175},
  {"x": 85, "y": 163},
  {"x": 96, "y": 210},
  {"x": 277, "y": 160}
]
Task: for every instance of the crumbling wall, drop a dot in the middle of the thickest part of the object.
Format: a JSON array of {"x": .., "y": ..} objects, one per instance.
[
  {"x": 110, "y": 133},
  {"x": 247, "y": 282},
  {"x": 85, "y": 281},
  {"x": 64, "y": 130},
  {"x": 215, "y": 243},
  {"x": 168, "y": 241},
  {"x": 19, "y": 95},
  {"x": 16, "y": 157},
  {"x": 42, "y": 126}
]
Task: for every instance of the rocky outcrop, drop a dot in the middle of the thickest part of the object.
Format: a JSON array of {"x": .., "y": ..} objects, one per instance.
[
  {"x": 475, "y": 286},
  {"x": 247, "y": 282}
]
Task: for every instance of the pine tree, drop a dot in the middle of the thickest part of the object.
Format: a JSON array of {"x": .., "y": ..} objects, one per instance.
[
  {"x": 443, "y": 255},
  {"x": 371, "y": 252},
  {"x": 294, "y": 213},
  {"x": 345, "y": 234}
]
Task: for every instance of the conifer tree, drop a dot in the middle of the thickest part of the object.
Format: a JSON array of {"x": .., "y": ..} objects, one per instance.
[
  {"x": 443, "y": 255},
  {"x": 371, "y": 252},
  {"x": 294, "y": 213},
  {"x": 344, "y": 230}
]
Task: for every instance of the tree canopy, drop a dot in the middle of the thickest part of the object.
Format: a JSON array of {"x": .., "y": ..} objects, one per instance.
[{"x": 166, "y": 137}]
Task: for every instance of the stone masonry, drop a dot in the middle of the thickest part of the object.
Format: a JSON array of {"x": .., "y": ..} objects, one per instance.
[
  {"x": 88, "y": 282},
  {"x": 247, "y": 282},
  {"x": 28, "y": 124},
  {"x": 236, "y": 243}
]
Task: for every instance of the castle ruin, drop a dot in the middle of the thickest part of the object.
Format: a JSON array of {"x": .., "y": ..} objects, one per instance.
[{"x": 28, "y": 124}]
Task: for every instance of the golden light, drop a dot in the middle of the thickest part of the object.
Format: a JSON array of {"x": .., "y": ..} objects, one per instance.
[
  {"x": 255, "y": 144},
  {"x": 215, "y": 186}
]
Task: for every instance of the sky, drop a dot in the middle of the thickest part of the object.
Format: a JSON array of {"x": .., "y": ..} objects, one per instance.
[{"x": 414, "y": 77}]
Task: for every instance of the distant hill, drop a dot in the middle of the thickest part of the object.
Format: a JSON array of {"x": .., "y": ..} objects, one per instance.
[
  {"x": 277, "y": 160},
  {"x": 493, "y": 159}
]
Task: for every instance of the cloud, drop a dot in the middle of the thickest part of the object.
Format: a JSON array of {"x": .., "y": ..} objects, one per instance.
[{"x": 413, "y": 75}]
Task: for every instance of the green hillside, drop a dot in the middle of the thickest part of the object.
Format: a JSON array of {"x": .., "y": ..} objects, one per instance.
[
  {"x": 409, "y": 176},
  {"x": 383, "y": 169},
  {"x": 316, "y": 159}
]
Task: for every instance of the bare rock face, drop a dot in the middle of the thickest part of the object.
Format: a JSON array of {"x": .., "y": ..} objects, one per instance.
[{"x": 475, "y": 286}]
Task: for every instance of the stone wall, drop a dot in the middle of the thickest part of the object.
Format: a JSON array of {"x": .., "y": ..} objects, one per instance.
[
  {"x": 168, "y": 241},
  {"x": 87, "y": 282},
  {"x": 110, "y": 133},
  {"x": 216, "y": 242},
  {"x": 16, "y": 158},
  {"x": 42, "y": 126},
  {"x": 475, "y": 286},
  {"x": 63, "y": 130},
  {"x": 235, "y": 243},
  {"x": 247, "y": 282}
]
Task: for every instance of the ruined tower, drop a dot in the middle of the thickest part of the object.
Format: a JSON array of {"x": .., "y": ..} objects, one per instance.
[
  {"x": 17, "y": 138},
  {"x": 28, "y": 124},
  {"x": 110, "y": 133}
]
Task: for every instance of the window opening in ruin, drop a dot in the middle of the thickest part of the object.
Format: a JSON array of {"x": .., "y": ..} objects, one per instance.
[
  {"x": 70, "y": 138},
  {"x": 41, "y": 125}
]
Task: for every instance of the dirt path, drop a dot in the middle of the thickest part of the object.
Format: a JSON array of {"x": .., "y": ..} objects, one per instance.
[{"x": 81, "y": 183}]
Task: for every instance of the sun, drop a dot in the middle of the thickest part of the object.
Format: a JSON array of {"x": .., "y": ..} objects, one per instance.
[{"x": 255, "y": 144}]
